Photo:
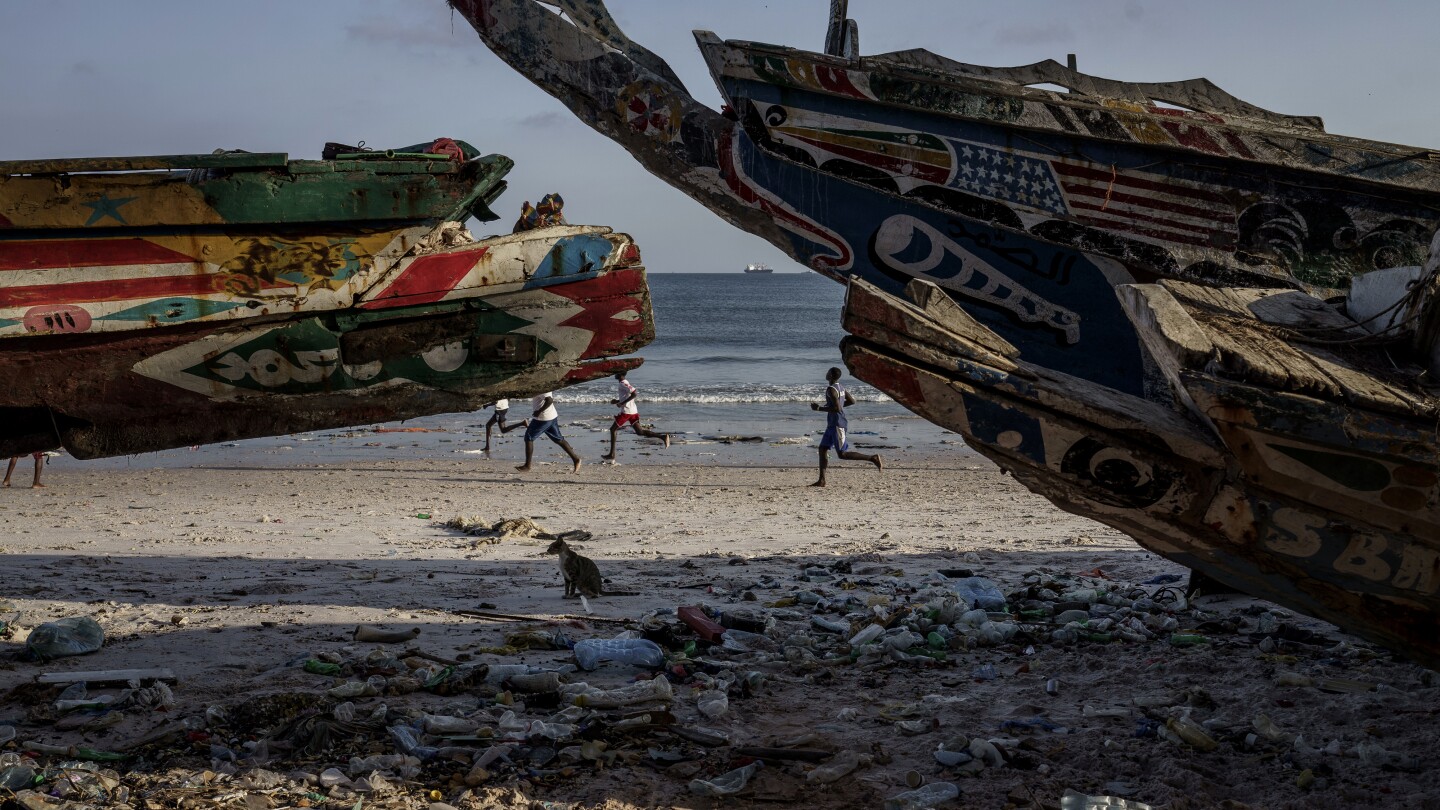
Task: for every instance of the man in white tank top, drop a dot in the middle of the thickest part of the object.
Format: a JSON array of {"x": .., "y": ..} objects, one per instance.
[
  {"x": 629, "y": 415},
  {"x": 545, "y": 421},
  {"x": 502, "y": 407}
]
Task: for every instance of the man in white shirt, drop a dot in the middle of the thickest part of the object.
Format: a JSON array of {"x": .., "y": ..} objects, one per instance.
[
  {"x": 545, "y": 421},
  {"x": 502, "y": 407},
  {"x": 629, "y": 415}
]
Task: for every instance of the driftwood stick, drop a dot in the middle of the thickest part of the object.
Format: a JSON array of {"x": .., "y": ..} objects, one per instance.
[
  {"x": 107, "y": 676},
  {"x": 510, "y": 617}
]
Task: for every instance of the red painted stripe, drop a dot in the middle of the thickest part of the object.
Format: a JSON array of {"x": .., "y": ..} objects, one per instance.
[
  {"x": 1158, "y": 231},
  {"x": 118, "y": 290},
  {"x": 1207, "y": 214},
  {"x": 427, "y": 279},
  {"x": 837, "y": 80},
  {"x": 894, "y": 165},
  {"x": 1105, "y": 176},
  {"x": 1156, "y": 221},
  {"x": 1240, "y": 147},
  {"x": 40, "y": 254},
  {"x": 1193, "y": 136}
]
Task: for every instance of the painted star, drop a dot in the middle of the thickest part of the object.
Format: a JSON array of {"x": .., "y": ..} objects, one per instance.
[{"x": 106, "y": 207}]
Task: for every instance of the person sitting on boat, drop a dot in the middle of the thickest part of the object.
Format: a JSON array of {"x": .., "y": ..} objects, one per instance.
[
  {"x": 529, "y": 219},
  {"x": 549, "y": 210},
  {"x": 545, "y": 421},
  {"x": 629, "y": 415},
  {"x": 502, "y": 407},
  {"x": 836, "y": 400}
]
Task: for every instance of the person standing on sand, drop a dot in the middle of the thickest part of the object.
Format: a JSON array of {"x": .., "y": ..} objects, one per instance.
[
  {"x": 545, "y": 421},
  {"x": 502, "y": 407},
  {"x": 39, "y": 467},
  {"x": 629, "y": 415},
  {"x": 836, "y": 399}
]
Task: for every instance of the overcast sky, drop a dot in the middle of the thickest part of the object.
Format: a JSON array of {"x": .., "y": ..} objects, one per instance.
[{"x": 80, "y": 78}]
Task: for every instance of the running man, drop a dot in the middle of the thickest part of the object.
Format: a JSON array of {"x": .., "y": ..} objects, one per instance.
[
  {"x": 545, "y": 421},
  {"x": 39, "y": 467},
  {"x": 502, "y": 407},
  {"x": 836, "y": 399},
  {"x": 629, "y": 415}
]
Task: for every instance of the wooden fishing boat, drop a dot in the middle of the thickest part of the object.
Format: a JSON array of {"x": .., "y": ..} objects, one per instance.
[
  {"x": 156, "y": 302},
  {"x": 1295, "y": 463},
  {"x": 1020, "y": 200}
]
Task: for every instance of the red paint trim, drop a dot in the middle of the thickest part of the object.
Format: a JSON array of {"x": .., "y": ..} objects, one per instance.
[
  {"x": 837, "y": 80},
  {"x": 427, "y": 279},
  {"x": 118, "y": 290},
  {"x": 47, "y": 253},
  {"x": 1193, "y": 136}
]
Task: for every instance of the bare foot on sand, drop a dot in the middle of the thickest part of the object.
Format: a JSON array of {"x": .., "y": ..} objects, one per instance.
[
  {"x": 577, "y": 465},
  {"x": 608, "y": 457},
  {"x": 879, "y": 463},
  {"x": 667, "y": 440},
  {"x": 523, "y": 468},
  {"x": 819, "y": 483},
  {"x": 34, "y": 486}
]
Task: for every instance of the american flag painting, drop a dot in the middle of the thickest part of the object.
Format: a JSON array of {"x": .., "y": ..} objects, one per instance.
[
  {"x": 1005, "y": 175},
  {"x": 1148, "y": 205}
]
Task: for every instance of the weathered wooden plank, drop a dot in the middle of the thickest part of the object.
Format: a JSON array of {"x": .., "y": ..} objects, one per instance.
[{"x": 229, "y": 160}]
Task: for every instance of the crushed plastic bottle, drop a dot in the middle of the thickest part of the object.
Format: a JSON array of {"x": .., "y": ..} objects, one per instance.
[
  {"x": 869, "y": 634},
  {"x": 979, "y": 592},
  {"x": 441, "y": 724},
  {"x": 726, "y": 783},
  {"x": 583, "y": 694},
  {"x": 924, "y": 797},
  {"x": 713, "y": 703},
  {"x": 839, "y": 766},
  {"x": 75, "y": 635},
  {"x": 634, "y": 651}
]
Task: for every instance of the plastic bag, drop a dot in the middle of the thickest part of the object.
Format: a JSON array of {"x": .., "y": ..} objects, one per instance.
[
  {"x": 726, "y": 783},
  {"x": 76, "y": 635},
  {"x": 636, "y": 651}
]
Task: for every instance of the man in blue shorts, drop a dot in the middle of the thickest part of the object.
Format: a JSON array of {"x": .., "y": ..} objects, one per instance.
[
  {"x": 836, "y": 398},
  {"x": 545, "y": 421}
]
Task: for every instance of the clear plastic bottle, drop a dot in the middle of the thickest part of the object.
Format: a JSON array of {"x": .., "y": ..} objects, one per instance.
[
  {"x": 979, "y": 592},
  {"x": 926, "y": 796},
  {"x": 636, "y": 651},
  {"x": 869, "y": 634}
]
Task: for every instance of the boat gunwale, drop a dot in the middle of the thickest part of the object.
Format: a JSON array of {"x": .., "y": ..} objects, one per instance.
[{"x": 1077, "y": 100}]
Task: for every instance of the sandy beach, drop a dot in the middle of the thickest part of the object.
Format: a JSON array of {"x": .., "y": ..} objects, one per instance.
[{"x": 233, "y": 575}]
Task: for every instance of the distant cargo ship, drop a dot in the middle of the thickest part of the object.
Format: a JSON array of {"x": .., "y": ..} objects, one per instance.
[{"x": 758, "y": 268}]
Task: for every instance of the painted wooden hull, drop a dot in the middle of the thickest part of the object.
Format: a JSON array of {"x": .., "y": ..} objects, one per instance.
[
  {"x": 1230, "y": 193},
  {"x": 1207, "y": 501},
  {"x": 129, "y": 337}
]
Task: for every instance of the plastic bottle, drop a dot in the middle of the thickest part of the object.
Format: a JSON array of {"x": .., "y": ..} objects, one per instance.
[
  {"x": 635, "y": 651},
  {"x": 979, "y": 592},
  {"x": 726, "y": 783},
  {"x": 839, "y": 765},
  {"x": 931, "y": 795},
  {"x": 583, "y": 694},
  {"x": 1193, "y": 735},
  {"x": 869, "y": 634},
  {"x": 713, "y": 703},
  {"x": 76, "y": 635}
]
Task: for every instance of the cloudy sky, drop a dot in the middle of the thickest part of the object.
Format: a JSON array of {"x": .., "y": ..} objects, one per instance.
[{"x": 85, "y": 77}]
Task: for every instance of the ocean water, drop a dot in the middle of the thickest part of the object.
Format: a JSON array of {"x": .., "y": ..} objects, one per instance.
[{"x": 736, "y": 356}]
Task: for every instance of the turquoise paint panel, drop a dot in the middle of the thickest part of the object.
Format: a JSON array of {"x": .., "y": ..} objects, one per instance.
[
  {"x": 172, "y": 310},
  {"x": 573, "y": 256}
]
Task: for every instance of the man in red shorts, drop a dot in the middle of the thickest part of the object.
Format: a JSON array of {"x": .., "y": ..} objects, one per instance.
[{"x": 629, "y": 415}]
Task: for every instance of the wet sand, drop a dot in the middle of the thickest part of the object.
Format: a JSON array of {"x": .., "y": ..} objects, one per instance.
[{"x": 232, "y": 574}]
